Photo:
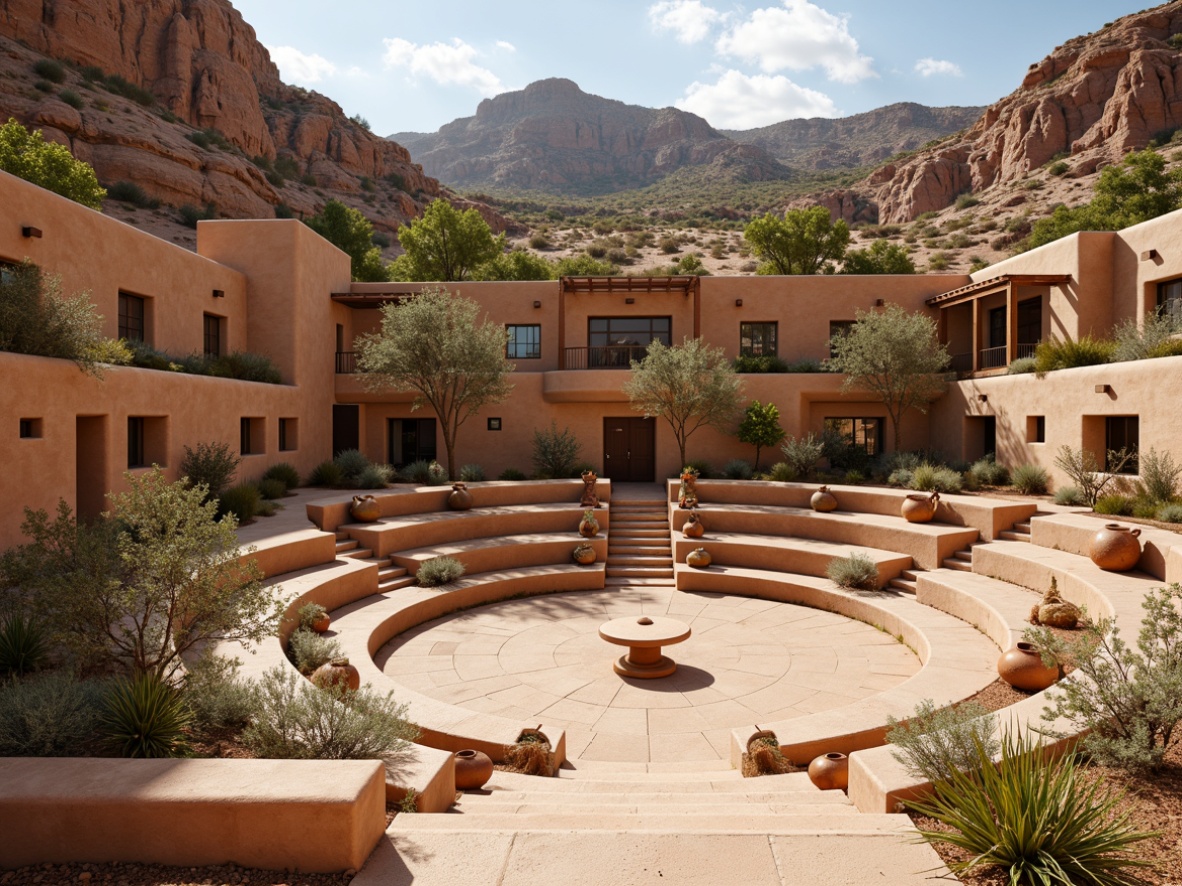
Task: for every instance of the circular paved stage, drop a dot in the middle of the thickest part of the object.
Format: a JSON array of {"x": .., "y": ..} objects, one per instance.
[{"x": 748, "y": 661}]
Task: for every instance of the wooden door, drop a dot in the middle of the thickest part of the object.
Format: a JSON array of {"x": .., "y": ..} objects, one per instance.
[{"x": 629, "y": 450}]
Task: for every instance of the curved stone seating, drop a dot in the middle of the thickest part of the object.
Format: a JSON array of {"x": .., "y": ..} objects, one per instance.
[
  {"x": 777, "y": 553},
  {"x": 1161, "y": 550},
  {"x": 503, "y": 552}
]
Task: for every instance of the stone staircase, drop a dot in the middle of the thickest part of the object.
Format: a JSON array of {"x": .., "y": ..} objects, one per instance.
[
  {"x": 639, "y": 544},
  {"x": 390, "y": 577}
]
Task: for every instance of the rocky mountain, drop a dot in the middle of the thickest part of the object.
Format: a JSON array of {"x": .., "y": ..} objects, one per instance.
[
  {"x": 1090, "y": 101},
  {"x": 553, "y": 136},
  {"x": 822, "y": 143},
  {"x": 179, "y": 98}
]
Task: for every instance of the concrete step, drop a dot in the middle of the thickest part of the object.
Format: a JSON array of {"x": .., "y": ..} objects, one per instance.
[
  {"x": 640, "y": 572},
  {"x": 958, "y": 565},
  {"x": 616, "y": 561},
  {"x": 657, "y": 808},
  {"x": 637, "y": 582},
  {"x": 907, "y": 586},
  {"x": 1014, "y": 536},
  {"x": 346, "y": 544},
  {"x": 617, "y": 533},
  {"x": 386, "y": 570},
  {"x": 614, "y": 551},
  {"x": 639, "y": 541},
  {"x": 639, "y": 517},
  {"x": 394, "y": 584},
  {"x": 342, "y": 535},
  {"x": 1022, "y": 527},
  {"x": 356, "y": 553},
  {"x": 686, "y": 800},
  {"x": 967, "y": 556},
  {"x": 802, "y": 821}
]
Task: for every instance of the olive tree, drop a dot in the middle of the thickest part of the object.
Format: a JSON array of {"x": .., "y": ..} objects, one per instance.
[
  {"x": 804, "y": 241},
  {"x": 26, "y": 154},
  {"x": 690, "y": 385},
  {"x": 895, "y": 355},
  {"x": 435, "y": 344}
]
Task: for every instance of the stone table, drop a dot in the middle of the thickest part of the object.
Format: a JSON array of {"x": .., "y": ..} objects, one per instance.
[{"x": 644, "y": 638}]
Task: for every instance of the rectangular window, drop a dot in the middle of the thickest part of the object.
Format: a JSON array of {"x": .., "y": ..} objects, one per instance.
[
  {"x": 1169, "y": 298},
  {"x": 213, "y": 335},
  {"x": 758, "y": 339},
  {"x": 997, "y": 328},
  {"x": 410, "y": 440},
  {"x": 1029, "y": 323},
  {"x": 525, "y": 342},
  {"x": 30, "y": 428},
  {"x": 288, "y": 434},
  {"x": 866, "y": 433},
  {"x": 1036, "y": 429},
  {"x": 251, "y": 436},
  {"x": 131, "y": 317},
  {"x": 147, "y": 441},
  {"x": 1122, "y": 432},
  {"x": 616, "y": 341},
  {"x": 836, "y": 328},
  {"x": 136, "y": 456}
]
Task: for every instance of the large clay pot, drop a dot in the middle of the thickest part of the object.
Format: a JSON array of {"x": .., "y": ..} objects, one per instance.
[
  {"x": 337, "y": 672},
  {"x": 919, "y": 507},
  {"x": 823, "y": 500},
  {"x": 365, "y": 509},
  {"x": 687, "y": 493},
  {"x": 460, "y": 498},
  {"x": 473, "y": 769},
  {"x": 1022, "y": 668},
  {"x": 693, "y": 527},
  {"x": 830, "y": 772},
  {"x": 1115, "y": 548},
  {"x": 588, "y": 526},
  {"x": 699, "y": 558},
  {"x": 584, "y": 555},
  {"x": 590, "y": 499}
]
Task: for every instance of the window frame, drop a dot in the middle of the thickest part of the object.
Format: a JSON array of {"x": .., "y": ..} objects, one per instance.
[
  {"x": 747, "y": 338},
  {"x": 131, "y": 326},
  {"x": 872, "y": 446},
  {"x": 211, "y": 331},
  {"x": 528, "y": 349},
  {"x": 137, "y": 450},
  {"x": 1115, "y": 439}
]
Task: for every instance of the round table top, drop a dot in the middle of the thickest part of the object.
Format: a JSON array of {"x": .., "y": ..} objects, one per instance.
[{"x": 659, "y": 631}]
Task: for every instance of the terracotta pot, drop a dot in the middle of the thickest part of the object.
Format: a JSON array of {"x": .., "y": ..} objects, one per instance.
[
  {"x": 687, "y": 493},
  {"x": 588, "y": 528},
  {"x": 823, "y": 500},
  {"x": 693, "y": 527},
  {"x": 365, "y": 509},
  {"x": 699, "y": 558},
  {"x": 1022, "y": 668},
  {"x": 337, "y": 671},
  {"x": 590, "y": 499},
  {"x": 919, "y": 507},
  {"x": 473, "y": 769},
  {"x": 460, "y": 498},
  {"x": 1115, "y": 548},
  {"x": 321, "y": 624},
  {"x": 584, "y": 557},
  {"x": 759, "y": 737},
  {"x": 830, "y": 772}
]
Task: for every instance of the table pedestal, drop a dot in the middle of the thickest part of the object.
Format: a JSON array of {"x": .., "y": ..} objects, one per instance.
[{"x": 644, "y": 638}]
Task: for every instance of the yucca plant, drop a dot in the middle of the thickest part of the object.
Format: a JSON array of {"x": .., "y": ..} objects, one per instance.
[
  {"x": 145, "y": 717},
  {"x": 1035, "y": 817},
  {"x": 22, "y": 644}
]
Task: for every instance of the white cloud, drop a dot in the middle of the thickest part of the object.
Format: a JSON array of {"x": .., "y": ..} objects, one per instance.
[
  {"x": 448, "y": 64},
  {"x": 796, "y": 36},
  {"x": 299, "y": 67},
  {"x": 506, "y": 45},
  {"x": 739, "y": 101},
  {"x": 930, "y": 67},
  {"x": 689, "y": 20}
]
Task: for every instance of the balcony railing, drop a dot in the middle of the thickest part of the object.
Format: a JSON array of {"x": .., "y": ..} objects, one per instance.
[
  {"x": 992, "y": 358},
  {"x": 603, "y": 357},
  {"x": 1026, "y": 350},
  {"x": 961, "y": 363},
  {"x": 346, "y": 362}
]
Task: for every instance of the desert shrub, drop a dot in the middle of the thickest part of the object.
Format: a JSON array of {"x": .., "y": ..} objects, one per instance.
[
  {"x": 555, "y": 453},
  {"x": 901, "y": 477},
  {"x": 145, "y": 717},
  {"x": 530, "y": 754},
  {"x": 1171, "y": 513},
  {"x": 761, "y": 364},
  {"x": 242, "y": 501},
  {"x": 1059, "y": 167},
  {"x": 855, "y": 571},
  {"x": 308, "y": 650},
  {"x": 1114, "y": 504},
  {"x": 511, "y": 474},
  {"x": 782, "y": 472},
  {"x": 1081, "y": 466},
  {"x": 764, "y": 756},
  {"x": 472, "y": 473},
  {"x": 352, "y": 463},
  {"x": 284, "y": 472},
  {"x": 933, "y": 742},
  {"x": 297, "y": 720},
  {"x": 1069, "y": 495},
  {"x": 1034, "y": 816},
  {"x": 246, "y": 366},
  {"x": 436, "y": 475},
  {"x": 1086, "y": 351},
  {"x": 964, "y": 201},
  {"x": 50, "y": 70},
  {"x": 1022, "y": 366},
  {"x": 309, "y": 614},
  {"x": 802, "y": 454},
  {"x": 987, "y": 472},
  {"x": 417, "y": 472},
  {"x": 23, "y": 644},
  {"x": 439, "y": 571},
  {"x": 1137, "y": 341},
  {"x": 48, "y": 715},
  {"x": 375, "y": 477},
  {"x": 142, "y": 96},
  {"x": 738, "y": 469},
  {"x": 71, "y": 98},
  {"x": 325, "y": 474},
  {"x": 1029, "y": 479},
  {"x": 217, "y": 696},
  {"x": 272, "y": 489},
  {"x": 1145, "y": 508},
  {"x": 188, "y": 214},
  {"x": 930, "y": 478},
  {"x": 539, "y": 241},
  {"x": 130, "y": 192},
  {"x": 1159, "y": 475}
]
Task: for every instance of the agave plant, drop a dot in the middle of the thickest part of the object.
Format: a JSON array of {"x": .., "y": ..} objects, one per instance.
[
  {"x": 145, "y": 717},
  {"x": 22, "y": 645}
]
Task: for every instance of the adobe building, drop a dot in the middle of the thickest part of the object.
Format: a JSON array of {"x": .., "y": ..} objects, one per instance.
[{"x": 276, "y": 288}]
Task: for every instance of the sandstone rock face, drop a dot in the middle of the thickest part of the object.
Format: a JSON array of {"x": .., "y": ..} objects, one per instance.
[{"x": 1091, "y": 100}]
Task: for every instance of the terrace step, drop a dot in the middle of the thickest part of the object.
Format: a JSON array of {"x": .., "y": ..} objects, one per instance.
[
  {"x": 665, "y": 551},
  {"x": 907, "y": 586},
  {"x": 636, "y": 582},
  {"x": 1014, "y": 536},
  {"x": 346, "y": 545},
  {"x": 356, "y": 553},
  {"x": 800, "y": 821},
  {"x": 618, "y": 532},
  {"x": 640, "y": 572},
  {"x": 958, "y": 565},
  {"x": 665, "y": 562}
]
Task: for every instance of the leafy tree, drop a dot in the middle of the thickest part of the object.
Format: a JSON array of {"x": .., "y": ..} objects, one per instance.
[
  {"x": 435, "y": 345},
  {"x": 690, "y": 385},
  {"x": 445, "y": 244},
  {"x": 880, "y": 258},
  {"x": 895, "y": 355},
  {"x": 350, "y": 231},
  {"x": 804, "y": 241},
  {"x": 156, "y": 576},
  {"x": 584, "y": 266},
  {"x": 27, "y": 155},
  {"x": 761, "y": 427},
  {"x": 519, "y": 264}
]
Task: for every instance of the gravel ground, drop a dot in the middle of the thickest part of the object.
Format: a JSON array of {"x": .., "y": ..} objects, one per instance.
[{"x": 159, "y": 875}]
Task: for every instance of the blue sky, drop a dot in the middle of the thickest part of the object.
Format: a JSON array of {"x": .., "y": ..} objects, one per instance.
[{"x": 416, "y": 66}]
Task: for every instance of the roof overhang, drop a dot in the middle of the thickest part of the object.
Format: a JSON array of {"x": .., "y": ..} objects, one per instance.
[
  {"x": 375, "y": 298},
  {"x": 995, "y": 284},
  {"x": 686, "y": 284}
]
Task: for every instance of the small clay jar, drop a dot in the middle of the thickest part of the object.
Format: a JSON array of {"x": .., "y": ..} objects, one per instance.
[
  {"x": 337, "y": 672},
  {"x": 1115, "y": 548},
  {"x": 693, "y": 527},
  {"x": 830, "y": 772},
  {"x": 823, "y": 500},
  {"x": 699, "y": 558},
  {"x": 584, "y": 555},
  {"x": 321, "y": 624},
  {"x": 1022, "y": 668},
  {"x": 588, "y": 526},
  {"x": 761, "y": 736},
  {"x": 460, "y": 499},
  {"x": 473, "y": 769},
  {"x": 920, "y": 508},
  {"x": 365, "y": 509}
]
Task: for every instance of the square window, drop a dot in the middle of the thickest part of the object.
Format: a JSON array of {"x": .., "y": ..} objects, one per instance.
[
  {"x": 860, "y": 433},
  {"x": 494, "y": 424},
  {"x": 1122, "y": 432},
  {"x": 212, "y": 334},
  {"x": 131, "y": 317},
  {"x": 288, "y": 434},
  {"x": 1036, "y": 429},
  {"x": 147, "y": 440},
  {"x": 758, "y": 339},
  {"x": 525, "y": 342},
  {"x": 252, "y": 436},
  {"x": 30, "y": 428}
]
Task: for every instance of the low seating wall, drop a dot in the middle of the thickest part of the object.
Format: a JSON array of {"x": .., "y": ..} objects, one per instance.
[
  {"x": 1161, "y": 550},
  {"x": 498, "y": 554},
  {"x": 803, "y": 556},
  {"x": 291, "y": 551}
]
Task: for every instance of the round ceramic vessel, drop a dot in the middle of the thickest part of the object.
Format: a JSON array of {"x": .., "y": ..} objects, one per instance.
[
  {"x": 321, "y": 624},
  {"x": 699, "y": 558},
  {"x": 693, "y": 529},
  {"x": 1115, "y": 548},
  {"x": 920, "y": 507},
  {"x": 365, "y": 509},
  {"x": 585, "y": 558},
  {"x": 337, "y": 672},
  {"x": 823, "y": 500},
  {"x": 460, "y": 498},
  {"x": 830, "y": 772},
  {"x": 588, "y": 529},
  {"x": 473, "y": 770},
  {"x": 1023, "y": 669}
]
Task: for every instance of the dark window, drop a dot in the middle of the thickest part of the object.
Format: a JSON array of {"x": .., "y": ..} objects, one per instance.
[
  {"x": 836, "y": 328},
  {"x": 997, "y": 328},
  {"x": 866, "y": 433},
  {"x": 135, "y": 442},
  {"x": 131, "y": 317},
  {"x": 410, "y": 440},
  {"x": 244, "y": 436},
  {"x": 1039, "y": 430},
  {"x": 525, "y": 342},
  {"x": 616, "y": 341},
  {"x": 1122, "y": 432},
  {"x": 213, "y": 336},
  {"x": 288, "y": 440},
  {"x": 7, "y": 272},
  {"x": 1030, "y": 322},
  {"x": 30, "y": 428},
  {"x": 1169, "y": 298},
  {"x": 758, "y": 339}
]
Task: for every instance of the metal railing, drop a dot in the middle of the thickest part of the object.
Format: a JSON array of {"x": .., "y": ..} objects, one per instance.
[
  {"x": 346, "y": 362},
  {"x": 1026, "y": 350},
  {"x": 992, "y": 358},
  {"x": 961, "y": 363},
  {"x": 603, "y": 357}
]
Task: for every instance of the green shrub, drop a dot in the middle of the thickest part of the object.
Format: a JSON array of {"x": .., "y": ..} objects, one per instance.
[
  {"x": 1144, "y": 508},
  {"x": 934, "y": 742},
  {"x": 272, "y": 489},
  {"x": 987, "y": 472},
  {"x": 964, "y": 201},
  {"x": 1069, "y": 495},
  {"x": 71, "y": 98},
  {"x": 188, "y": 214},
  {"x": 855, "y": 571},
  {"x": 555, "y": 453},
  {"x": 23, "y": 645},
  {"x": 1169, "y": 348},
  {"x": 284, "y": 472},
  {"x": 308, "y": 650},
  {"x": 436, "y": 475},
  {"x": 760, "y": 364},
  {"x": 472, "y": 473},
  {"x": 352, "y": 463},
  {"x": 218, "y": 698},
  {"x": 930, "y": 478},
  {"x": 325, "y": 474},
  {"x": 738, "y": 469},
  {"x": 375, "y": 477},
  {"x": 802, "y": 454},
  {"x": 1086, "y": 351},
  {"x": 1159, "y": 475},
  {"x": 137, "y": 94},
  {"x": 50, "y": 70},
  {"x": 1081, "y": 466},
  {"x": 418, "y": 472},
  {"x": 145, "y": 717},
  {"x": 439, "y": 571},
  {"x": 242, "y": 501},
  {"x": 1029, "y": 479},
  {"x": 48, "y": 715},
  {"x": 246, "y": 366},
  {"x": 901, "y": 477},
  {"x": 1034, "y": 816},
  {"x": 1115, "y": 504},
  {"x": 511, "y": 474},
  {"x": 782, "y": 472},
  {"x": 130, "y": 192},
  {"x": 1171, "y": 513},
  {"x": 299, "y": 721},
  {"x": 1150, "y": 338},
  {"x": 212, "y": 465},
  {"x": 1059, "y": 167}
]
